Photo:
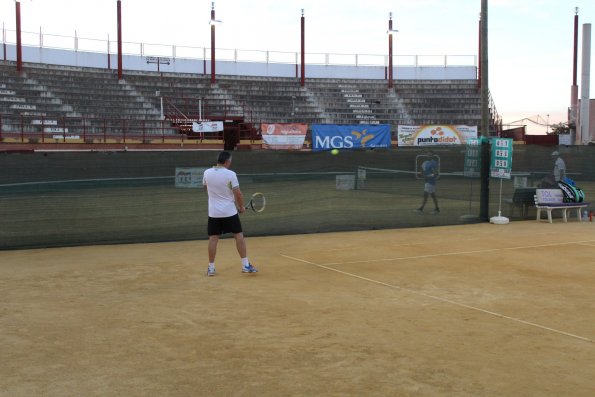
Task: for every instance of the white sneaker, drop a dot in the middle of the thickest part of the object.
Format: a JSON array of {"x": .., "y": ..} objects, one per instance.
[{"x": 211, "y": 271}]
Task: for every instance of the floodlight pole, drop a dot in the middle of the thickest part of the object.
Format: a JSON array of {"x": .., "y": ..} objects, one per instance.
[
  {"x": 213, "y": 81},
  {"x": 585, "y": 131},
  {"x": 4, "y": 40},
  {"x": 119, "y": 40},
  {"x": 19, "y": 43},
  {"x": 390, "y": 50},
  {"x": 303, "y": 51},
  {"x": 485, "y": 118},
  {"x": 479, "y": 54},
  {"x": 572, "y": 120}
]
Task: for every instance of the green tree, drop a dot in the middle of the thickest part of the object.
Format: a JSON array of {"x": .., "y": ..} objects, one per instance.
[{"x": 560, "y": 128}]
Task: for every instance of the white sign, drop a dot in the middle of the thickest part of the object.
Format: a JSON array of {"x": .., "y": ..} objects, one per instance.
[
  {"x": 345, "y": 182},
  {"x": 283, "y": 135},
  {"x": 207, "y": 126},
  {"x": 189, "y": 177},
  {"x": 564, "y": 139},
  {"x": 426, "y": 135}
]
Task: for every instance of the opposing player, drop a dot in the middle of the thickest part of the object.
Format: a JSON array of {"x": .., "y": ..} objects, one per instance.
[
  {"x": 430, "y": 172},
  {"x": 225, "y": 200}
]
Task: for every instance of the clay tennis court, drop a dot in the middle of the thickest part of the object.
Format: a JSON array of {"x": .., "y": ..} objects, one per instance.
[{"x": 472, "y": 310}]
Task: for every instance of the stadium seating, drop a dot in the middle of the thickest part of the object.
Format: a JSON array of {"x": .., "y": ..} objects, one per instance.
[{"x": 58, "y": 98}]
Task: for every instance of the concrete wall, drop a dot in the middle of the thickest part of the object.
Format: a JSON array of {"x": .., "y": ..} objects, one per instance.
[
  {"x": 591, "y": 123},
  {"x": 182, "y": 65}
]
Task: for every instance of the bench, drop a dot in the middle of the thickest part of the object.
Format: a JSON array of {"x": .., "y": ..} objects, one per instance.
[
  {"x": 553, "y": 199},
  {"x": 523, "y": 198}
]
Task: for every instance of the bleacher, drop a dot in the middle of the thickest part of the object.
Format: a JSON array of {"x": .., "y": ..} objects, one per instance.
[{"x": 92, "y": 101}]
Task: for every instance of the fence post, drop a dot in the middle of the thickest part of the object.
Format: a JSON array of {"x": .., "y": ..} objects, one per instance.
[
  {"x": 42, "y": 129},
  {"x": 63, "y": 130},
  {"x": 84, "y": 130}
]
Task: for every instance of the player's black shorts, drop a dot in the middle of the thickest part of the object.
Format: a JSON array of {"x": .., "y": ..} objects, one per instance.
[{"x": 219, "y": 226}]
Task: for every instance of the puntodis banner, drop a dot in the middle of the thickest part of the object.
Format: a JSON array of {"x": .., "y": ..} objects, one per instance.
[
  {"x": 426, "y": 135},
  {"x": 332, "y": 136}
]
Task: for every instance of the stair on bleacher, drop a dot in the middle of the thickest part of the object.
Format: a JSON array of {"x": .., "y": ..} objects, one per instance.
[{"x": 46, "y": 95}]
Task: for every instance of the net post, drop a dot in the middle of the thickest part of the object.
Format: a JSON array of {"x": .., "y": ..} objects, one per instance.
[{"x": 484, "y": 175}]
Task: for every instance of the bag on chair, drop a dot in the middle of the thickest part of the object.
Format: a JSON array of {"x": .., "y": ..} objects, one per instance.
[{"x": 572, "y": 193}]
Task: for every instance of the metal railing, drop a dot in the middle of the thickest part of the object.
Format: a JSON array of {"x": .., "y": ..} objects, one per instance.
[
  {"x": 22, "y": 128},
  {"x": 109, "y": 46}
]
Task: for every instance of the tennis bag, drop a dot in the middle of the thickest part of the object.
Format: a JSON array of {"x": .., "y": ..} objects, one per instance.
[{"x": 572, "y": 193}]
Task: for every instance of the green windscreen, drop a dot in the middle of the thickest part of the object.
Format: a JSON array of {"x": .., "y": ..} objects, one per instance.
[{"x": 81, "y": 198}]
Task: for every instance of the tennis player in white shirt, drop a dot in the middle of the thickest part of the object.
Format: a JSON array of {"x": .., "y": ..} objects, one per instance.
[{"x": 225, "y": 201}]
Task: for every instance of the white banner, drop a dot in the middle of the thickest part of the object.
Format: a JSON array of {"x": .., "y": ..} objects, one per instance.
[
  {"x": 189, "y": 177},
  {"x": 207, "y": 126},
  {"x": 425, "y": 135},
  {"x": 283, "y": 136}
]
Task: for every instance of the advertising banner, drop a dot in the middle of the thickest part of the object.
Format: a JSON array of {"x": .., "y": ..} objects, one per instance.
[
  {"x": 425, "y": 135},
  {"x": 332, "y": 136},
  {"x": 207, "y": 126},
  {"x": 189, "y": 177},
  {"x": 284, "y": 136},
  {"x": 501, "y": 162}
]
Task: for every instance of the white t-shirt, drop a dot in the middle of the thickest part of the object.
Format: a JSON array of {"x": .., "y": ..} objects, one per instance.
[
  {"x": 559, "y": 169},
  {"x": 219, "y": 182}
]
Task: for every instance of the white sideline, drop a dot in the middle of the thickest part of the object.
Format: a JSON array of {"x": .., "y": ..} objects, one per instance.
[{"x": 515, "y": 319}]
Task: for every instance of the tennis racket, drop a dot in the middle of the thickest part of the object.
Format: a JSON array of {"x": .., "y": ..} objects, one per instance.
[{"x": 257, "y": 202}]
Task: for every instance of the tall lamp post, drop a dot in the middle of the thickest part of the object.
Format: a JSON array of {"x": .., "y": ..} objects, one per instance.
[
  {"x": 484, "y": 201},
  {"x": 303, "y": 51},
  {"x": 390, "y": 33},
  {"x": 213, "y": 22},
  {"x": 119, "y": 11},
  {"x": 19, "y": 43}
]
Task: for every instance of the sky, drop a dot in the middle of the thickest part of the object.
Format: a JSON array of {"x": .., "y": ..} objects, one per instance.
[{"x": 530, "y": 42}]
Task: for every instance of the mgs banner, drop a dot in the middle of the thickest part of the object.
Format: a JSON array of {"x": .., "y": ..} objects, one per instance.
[
  {"x": 332, "y": 136},
  {"x": 283, "y": 136},
  {"x": 422, "y": 135}
]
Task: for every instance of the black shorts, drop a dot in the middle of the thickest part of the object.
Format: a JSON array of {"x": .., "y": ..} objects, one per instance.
[{"x": 219, "y": 226}]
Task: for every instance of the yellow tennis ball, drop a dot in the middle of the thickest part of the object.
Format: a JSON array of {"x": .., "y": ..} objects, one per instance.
[{"x": 334, "y": 152}]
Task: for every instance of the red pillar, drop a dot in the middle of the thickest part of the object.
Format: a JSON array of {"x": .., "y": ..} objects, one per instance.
[
  {"x": 479, "y": 55},
  {"x": 119, "y": 40},
  {"x": 109, "y": 63},
  {"x": 575, "y": 57},
  {"x": 19, "y": 43},
  {"x": 390, "y": 50},
  {"x": 303, "y": 49},
  {"x": 213, "y": 43}
]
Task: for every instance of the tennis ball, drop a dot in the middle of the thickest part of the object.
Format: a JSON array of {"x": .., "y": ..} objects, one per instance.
[{"x": 334, "y": 152}]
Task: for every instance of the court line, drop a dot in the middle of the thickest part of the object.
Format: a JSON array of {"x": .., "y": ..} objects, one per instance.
[
  {"x": 85, "y": 180},
  {"x": 444, "y": 300},
  {"x": 585, "y": 242}
]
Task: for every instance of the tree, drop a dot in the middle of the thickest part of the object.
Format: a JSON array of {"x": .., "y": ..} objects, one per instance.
[{"x": 560, "y": 128}]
